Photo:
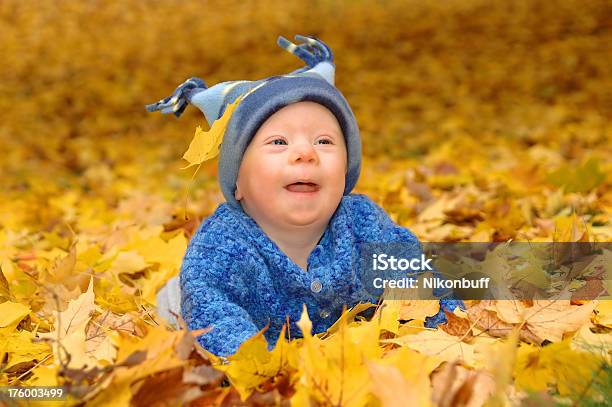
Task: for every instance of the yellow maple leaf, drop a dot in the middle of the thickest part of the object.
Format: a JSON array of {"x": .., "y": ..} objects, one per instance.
[
  {"x": 570, "y": 229},
  {"x": 393, "y": 390},
  {"x": 44, "y": 376},
  {"x": 600, "y": 343},
  {"x": 498, "y": 357},
  {"x": 438, "y": 343},
  {"x": 455, "y": 385},
  {"x": 402, "y": 378},
  {"x": 305, "y": 324},
  {"x": 351, "y": 314},
  {"x": 388, "y": 315},
  {"x": 128, "y": 262},
  {"x": 156, "y": 250},
  {"x": 114, "y": 296},
  {"x": 550, "y": 319},
  {"x": 68, "y": 335},
  {"x": 558, "y": 364},
  {"x": 333, "y": 371},
  {"x": 253, "y": 364},
  {"x": 158, "y": 350},
  {"x": 11, "y": 313},
  {"x": 206, "y": 144},
  {"x": 20, "y": 346},
  {"x": 168, "y": 255}
]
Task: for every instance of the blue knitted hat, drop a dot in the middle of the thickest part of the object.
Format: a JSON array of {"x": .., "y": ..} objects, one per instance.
[{"x": 261, "y": 99}]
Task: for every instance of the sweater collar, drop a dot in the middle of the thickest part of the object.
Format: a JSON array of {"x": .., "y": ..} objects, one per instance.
[{"x": 331, "y": 262}]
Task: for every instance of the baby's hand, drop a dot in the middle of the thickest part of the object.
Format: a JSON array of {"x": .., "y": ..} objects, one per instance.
[
  {"x": 312, "y": 51},
  {"x": 177, "y": 102}
]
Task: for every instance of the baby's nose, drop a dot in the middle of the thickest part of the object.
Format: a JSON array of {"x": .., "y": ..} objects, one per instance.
[{"x": 304, "y": 152}]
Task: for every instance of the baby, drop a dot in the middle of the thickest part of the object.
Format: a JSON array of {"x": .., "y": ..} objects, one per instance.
[{"x": 290, "y": 232}]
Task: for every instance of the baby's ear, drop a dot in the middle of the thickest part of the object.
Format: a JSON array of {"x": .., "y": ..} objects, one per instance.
[{"x": 237, "y": 194}]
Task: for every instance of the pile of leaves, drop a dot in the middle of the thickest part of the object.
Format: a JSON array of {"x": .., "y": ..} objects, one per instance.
[
  {"x": 491, "y": 352},
  {"x": 479, "y": 123}
]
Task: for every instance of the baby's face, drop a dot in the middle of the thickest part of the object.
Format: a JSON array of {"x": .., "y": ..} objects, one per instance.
[{"x": 293, "y": 171}]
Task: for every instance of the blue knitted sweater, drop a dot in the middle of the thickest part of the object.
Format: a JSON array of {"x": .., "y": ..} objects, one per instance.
[{"x": 236, "y": 279}]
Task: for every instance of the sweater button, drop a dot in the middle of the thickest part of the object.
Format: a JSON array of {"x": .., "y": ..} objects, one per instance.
[
  {"x": 316, "y": 286},
  {"x": 324, "y": 313}
]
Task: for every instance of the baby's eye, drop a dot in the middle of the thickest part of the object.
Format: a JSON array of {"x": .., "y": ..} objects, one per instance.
[
  {"x": 278, "y": 142},
  {"x": 325, "y": 141}
]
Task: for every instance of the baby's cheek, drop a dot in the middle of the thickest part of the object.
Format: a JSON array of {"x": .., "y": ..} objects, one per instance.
[{"x": 269, "y": 192}]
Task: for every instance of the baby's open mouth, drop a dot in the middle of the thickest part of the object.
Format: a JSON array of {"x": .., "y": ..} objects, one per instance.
[{"x": 303, "y": 187}]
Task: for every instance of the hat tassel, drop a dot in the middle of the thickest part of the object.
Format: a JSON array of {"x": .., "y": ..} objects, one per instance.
[{"x": 177, "y": 102}]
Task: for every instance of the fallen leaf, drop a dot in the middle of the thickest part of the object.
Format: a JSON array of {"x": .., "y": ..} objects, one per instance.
[
  {"x": 437, "y": 343},
  {"x": 11, "y": 313},
  {"x": 206, "y": 144},
  {"x": 68, "y": 335}
]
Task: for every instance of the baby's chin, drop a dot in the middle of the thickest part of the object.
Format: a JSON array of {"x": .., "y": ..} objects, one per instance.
[
  {"x": 306, "y": 216},
  {"x": 302, "y": 221}
]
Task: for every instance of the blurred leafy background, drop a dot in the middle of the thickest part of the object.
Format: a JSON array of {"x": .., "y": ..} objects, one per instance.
[{"x": 458, "y": 92}]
